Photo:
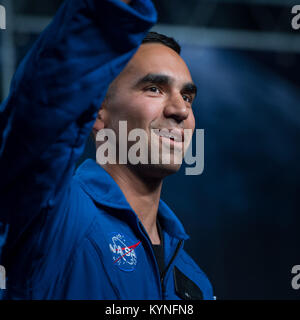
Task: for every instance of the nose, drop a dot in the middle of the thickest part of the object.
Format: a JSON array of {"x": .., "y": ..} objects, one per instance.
[{"x": 176, "y": 108}]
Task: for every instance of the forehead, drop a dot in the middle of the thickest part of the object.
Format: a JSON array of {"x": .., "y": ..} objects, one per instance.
[{"x": 160, "y": 59}]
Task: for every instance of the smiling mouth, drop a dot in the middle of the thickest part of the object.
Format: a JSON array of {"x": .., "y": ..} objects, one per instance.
[{"x": 175, "y": 135}]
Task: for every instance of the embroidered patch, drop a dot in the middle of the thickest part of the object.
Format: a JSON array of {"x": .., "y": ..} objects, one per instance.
[{"x": 122, "y": 248}]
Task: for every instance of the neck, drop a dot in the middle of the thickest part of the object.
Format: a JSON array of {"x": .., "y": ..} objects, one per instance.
[{"x": 142, "y": 193}]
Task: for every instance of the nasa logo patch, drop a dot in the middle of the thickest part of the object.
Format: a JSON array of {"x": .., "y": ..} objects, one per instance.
[{"x": 123, "y": 251}]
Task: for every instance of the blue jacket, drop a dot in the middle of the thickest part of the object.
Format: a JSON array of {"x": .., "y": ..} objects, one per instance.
[{"x": 75, "y": 236}]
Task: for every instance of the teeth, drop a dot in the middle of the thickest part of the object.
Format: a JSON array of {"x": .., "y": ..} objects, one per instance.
[{"x": 167, "y": 134}]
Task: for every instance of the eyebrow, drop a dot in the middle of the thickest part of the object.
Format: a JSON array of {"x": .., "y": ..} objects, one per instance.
[
  {"x": 163, "y": 79},
  {"x": 190, "y": 88}
]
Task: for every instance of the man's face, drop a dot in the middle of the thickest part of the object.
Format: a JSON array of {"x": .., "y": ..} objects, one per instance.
[{"x": 154, "y": 91}]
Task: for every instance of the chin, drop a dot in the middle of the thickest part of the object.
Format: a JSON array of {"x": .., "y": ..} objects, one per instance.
[{"x": 159, "y": 171}]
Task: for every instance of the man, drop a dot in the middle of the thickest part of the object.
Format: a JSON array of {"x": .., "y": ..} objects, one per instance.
[{"x": 103, "y": 233}]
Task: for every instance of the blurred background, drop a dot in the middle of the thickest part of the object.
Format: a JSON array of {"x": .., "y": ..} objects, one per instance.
[{"x": 242, "y": 212}]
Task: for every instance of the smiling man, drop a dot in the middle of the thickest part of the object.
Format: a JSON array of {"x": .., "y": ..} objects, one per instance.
[
  {"x": 103, "y": 232},
  {"x": 154, "y": 91}
]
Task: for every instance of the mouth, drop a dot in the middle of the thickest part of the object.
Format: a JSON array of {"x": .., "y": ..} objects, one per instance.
[{"x": 175, "y": 134}]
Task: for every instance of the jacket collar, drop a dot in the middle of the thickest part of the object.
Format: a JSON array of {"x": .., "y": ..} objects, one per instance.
[{"x": 102, "y": 188}]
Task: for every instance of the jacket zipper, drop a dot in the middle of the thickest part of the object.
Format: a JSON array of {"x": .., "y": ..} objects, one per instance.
[
  {"x": 143, "y": 231},
  {"x": 161, "y": 276}
]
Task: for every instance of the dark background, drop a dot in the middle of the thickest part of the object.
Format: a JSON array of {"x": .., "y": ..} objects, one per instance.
[{"x": 242, "y": 212}]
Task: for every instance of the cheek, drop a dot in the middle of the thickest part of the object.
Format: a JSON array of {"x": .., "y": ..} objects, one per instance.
[
  {"x": 190, "y": 122},
  {"x": 142, "y": 111},
  {"x": 139, "y": 112}
]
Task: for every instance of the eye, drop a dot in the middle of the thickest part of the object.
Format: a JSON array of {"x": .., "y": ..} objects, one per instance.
[
  {"x": 187, "y": 98},
  {"x": 153, "y": 89}
]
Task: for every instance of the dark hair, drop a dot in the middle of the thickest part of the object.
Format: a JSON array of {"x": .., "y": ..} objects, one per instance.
[{"x": 154, "y": 37}]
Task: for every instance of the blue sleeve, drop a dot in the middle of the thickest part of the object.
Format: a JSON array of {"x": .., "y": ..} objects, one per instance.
[{"x": 54, "y": 98}]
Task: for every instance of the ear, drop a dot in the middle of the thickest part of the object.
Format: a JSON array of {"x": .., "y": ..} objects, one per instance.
[{"x": 100, "y": 121}]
